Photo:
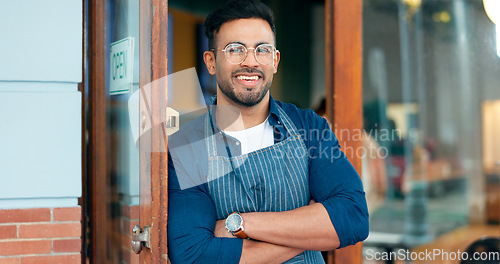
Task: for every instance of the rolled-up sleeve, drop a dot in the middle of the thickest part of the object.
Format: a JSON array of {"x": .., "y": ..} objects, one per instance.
[
  {"x": 191, "y": 223},
  {"x": 336, "y": 185}
]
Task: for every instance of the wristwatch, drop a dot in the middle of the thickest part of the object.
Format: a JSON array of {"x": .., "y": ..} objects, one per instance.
[{"x": 234, "y": 224}]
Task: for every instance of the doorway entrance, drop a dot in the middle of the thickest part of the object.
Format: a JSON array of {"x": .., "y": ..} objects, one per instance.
[{"x": 126, "y": 157}]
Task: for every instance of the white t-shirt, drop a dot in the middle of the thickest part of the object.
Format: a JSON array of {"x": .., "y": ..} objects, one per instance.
[{"x": 254, "y": 138}]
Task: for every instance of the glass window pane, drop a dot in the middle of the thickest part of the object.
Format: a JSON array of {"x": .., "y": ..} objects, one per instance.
[{"x": 430, "y": 76}]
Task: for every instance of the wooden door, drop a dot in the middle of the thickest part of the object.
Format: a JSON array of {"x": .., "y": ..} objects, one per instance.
[{"x": 125, "y": 182}]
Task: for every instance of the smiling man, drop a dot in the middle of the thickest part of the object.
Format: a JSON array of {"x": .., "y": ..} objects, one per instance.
[
  {"x": 257, "y": 180},
  {"x": 244, "y": 80}
]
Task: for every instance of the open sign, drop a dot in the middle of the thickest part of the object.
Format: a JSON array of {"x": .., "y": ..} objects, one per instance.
[{"x": 121, "y": 66}]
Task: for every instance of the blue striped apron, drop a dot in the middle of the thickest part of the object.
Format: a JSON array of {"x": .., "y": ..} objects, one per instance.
[{"x": 271, "y": 179}]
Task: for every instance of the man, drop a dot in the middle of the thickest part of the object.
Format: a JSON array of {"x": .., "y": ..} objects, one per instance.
[{"x": 257, "y": 168}]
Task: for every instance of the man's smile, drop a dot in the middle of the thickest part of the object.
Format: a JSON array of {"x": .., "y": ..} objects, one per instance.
[{"x": 248, "y": 79}]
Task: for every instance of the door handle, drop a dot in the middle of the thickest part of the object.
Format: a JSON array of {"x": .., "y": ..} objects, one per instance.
[{"x": 140, "y": 238}]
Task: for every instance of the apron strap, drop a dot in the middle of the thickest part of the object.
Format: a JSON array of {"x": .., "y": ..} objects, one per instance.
[
  {"x": 287, "y": 122},
  {"x": 209, "y": 135}
]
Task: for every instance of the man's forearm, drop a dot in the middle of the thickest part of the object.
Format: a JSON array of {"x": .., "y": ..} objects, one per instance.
[
  {"x": 263, "y": 252},
  {"x": 258, "y": 251},
  {"x": 307, "y": 227}
]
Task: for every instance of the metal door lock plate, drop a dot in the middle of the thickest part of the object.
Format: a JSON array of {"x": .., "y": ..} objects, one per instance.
[{"x": 140, "y": 238}]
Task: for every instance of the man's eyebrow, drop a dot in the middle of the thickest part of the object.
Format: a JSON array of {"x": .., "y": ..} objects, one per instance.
[
  {"x": 236, "y": 42},
  {"x": 260, "y": 43},
  {"x": 241, "y": 43}
]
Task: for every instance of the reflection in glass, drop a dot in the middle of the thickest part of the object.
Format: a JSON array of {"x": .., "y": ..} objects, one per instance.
[{"x": 122, "y": 151}]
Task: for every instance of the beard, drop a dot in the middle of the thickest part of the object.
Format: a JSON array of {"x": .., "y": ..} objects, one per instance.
[{"x": 244, "y": 99}]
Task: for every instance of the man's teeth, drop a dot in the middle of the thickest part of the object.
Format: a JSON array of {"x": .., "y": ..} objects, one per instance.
[{"x": 248, "y": 78}]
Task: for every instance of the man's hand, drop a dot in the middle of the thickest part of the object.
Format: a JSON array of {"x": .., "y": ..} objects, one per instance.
[
  {"x": 308, "y": 227},
  {"x": 258, "y": 252},
  {"x": 220, "y": 229}
]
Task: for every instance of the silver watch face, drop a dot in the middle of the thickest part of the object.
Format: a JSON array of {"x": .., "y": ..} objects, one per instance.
[{"x": 233, "y": 222}]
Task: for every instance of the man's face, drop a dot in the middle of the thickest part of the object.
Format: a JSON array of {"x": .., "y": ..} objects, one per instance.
[{"x": 246, "y": 83}]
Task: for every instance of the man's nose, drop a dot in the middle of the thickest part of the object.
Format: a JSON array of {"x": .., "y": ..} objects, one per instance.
[{"x": 250, "y": 60}]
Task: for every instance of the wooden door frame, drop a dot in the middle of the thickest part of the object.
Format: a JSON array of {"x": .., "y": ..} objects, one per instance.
[
  {"x": 344, "y": 90},
  {"x": 94, "y": 195},
  {"x": 153, "y": 32}
]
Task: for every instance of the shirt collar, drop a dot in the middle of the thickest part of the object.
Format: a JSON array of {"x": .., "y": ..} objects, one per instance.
[{"x": 273, "y": 118}]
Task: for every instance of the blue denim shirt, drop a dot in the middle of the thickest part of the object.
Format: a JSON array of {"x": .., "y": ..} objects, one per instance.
[{"x": 333, "y": 182}]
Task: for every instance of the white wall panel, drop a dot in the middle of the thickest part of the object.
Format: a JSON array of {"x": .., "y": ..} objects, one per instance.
[
  {"x": 41, "y": 40},
  {"x": 40, "y": 145}
]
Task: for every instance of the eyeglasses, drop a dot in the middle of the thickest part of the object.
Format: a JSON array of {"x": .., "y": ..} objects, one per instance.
[{"x": 236, "y": 53}]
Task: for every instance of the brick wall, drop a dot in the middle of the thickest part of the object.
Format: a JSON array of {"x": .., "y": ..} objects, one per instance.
[
  {"x": 129, "y": 217},
  {"x": 41, "y": 235}
]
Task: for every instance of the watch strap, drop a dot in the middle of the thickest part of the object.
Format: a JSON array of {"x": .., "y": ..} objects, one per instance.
[{"x": 240, "y": 234}]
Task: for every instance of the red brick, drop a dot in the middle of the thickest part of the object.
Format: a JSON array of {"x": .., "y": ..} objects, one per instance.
[
  {"x": 134, "y": 212},
  {"x": 129, "y": 257},
  {"x": 124, "y": 210},
  {"x": 67, "y": 214},
  {"x": 125, "y": 256},
  {"x": 50, "y": 230},
  {"x": 126, "y": 240},
  {"x": 8, "y": 231},
  {"x": 24, "y": 215},
  {"x": 67, "y": 245},
  {"x": 127, "y": 225},
  {"x": 8, "y": 248},
  {"x": 9, "y": 260},
  {"x": 53, "y": 259},
  {"x": 131, "y": 212}
]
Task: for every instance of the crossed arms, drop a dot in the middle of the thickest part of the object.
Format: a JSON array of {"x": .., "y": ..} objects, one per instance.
[
  {"x": 338, "y": 219},
  {"x": 286, "y": 234}
]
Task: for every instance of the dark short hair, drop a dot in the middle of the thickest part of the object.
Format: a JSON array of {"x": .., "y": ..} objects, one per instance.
[{"x": 233, "y": 10}]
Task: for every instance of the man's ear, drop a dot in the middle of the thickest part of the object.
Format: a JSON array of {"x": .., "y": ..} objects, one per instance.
[
  {"x": 209, "y": 59},
  {"x": 276, "y": 61}
]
